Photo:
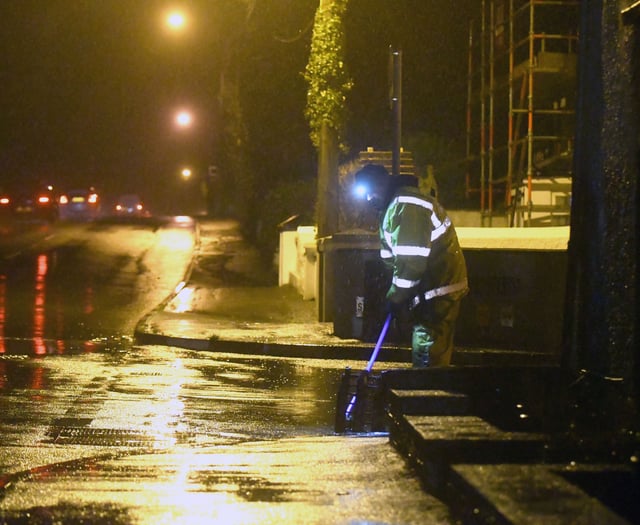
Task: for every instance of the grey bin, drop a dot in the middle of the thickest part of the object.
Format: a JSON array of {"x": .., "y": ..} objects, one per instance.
[{"x": 354, "y": 283}]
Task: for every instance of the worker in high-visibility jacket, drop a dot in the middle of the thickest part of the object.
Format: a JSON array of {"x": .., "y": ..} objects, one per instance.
[{"x": 420, "y": 245}]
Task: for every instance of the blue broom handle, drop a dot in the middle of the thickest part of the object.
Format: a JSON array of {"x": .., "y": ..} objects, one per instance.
[
  {"x": 372, "y": 360},
  {"x": 376, "y": 349}
]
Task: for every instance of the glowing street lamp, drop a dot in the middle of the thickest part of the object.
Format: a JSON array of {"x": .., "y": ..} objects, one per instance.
[
  {"x": 184, "y": 119},
  {"x": 176, "y": 21},
  {"x": 186, "y": 173}
]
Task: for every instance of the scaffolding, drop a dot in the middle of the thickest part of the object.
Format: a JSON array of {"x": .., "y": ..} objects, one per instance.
[{"x": 520, "y": 110}]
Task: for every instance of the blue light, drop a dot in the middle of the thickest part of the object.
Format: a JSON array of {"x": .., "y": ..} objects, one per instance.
[{"x": 360, "y": 190}]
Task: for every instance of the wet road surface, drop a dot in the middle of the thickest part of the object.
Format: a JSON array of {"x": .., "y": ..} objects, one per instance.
[
  {"x": 97, "y": 430},
  {"x": 163, "y": 435},
  {"x": 72, "y": 282}
]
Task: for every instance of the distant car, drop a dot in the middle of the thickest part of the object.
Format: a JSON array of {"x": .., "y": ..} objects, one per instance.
[
  {"x": 29, "y": 201},
  {"x": 130, "y": 205},
  {"x": 79, "y": 205}
]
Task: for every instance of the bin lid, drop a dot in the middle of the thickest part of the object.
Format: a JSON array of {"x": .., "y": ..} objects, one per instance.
[{"x": 291, "y": 223}]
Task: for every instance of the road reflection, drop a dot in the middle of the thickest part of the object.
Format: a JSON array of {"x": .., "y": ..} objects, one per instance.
[
  {"x": 15, "y": 375},
  {"x": 39, "y": 315},
  {"x": 83, "y": 286},
  {"x": 27, "y": 295},
  {"x": 3, "y": 312}
]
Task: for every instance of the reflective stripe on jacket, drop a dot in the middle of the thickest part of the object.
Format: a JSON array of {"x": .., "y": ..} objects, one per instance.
[{"x": 419, "y": 242}]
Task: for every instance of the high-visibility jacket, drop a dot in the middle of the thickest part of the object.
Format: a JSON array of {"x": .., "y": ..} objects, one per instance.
[{"x": 420, "y": 245}]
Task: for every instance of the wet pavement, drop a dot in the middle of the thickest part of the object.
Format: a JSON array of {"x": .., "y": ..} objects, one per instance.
[
  {"x": 222, "y": 412},
  {"x": 297, "y": 480},
  {"x": 230, "y": 298},
  {"x": 157, "y": 434},
  {"x": 461, "y": 456}
]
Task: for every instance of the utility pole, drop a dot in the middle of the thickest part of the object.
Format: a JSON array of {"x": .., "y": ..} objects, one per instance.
[
  {"x": 328, "y": 182},
  {"x": 327, "y": 203}
]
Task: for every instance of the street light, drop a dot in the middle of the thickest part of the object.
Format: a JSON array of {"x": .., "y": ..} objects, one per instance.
[
  {"x": 176, "y": 20},
  {"x": 183, "y": 24},
  {"x": 184, "y": 119}
]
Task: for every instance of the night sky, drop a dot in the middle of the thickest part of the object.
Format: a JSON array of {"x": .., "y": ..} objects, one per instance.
[{"x": 90, "y": 87}]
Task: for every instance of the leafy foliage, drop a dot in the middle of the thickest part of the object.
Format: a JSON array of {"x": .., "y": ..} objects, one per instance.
[{"x": 326, "y": 72}]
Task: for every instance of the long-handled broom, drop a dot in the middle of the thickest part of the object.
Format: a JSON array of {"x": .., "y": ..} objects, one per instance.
[{"x": 351, "y": 390}]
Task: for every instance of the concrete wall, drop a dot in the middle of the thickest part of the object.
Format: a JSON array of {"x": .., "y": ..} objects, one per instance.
[
  {"x": 517, "y": 279},
  {"x": 298, "y": 261}
]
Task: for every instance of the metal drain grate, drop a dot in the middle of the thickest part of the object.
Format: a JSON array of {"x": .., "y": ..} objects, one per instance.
[{"x": 107, "y": 437}]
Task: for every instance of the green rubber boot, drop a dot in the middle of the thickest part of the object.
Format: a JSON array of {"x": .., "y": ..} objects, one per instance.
[{"x": 421, "y": 343}]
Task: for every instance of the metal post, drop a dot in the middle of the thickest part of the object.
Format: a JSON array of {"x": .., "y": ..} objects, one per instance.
[
  {"x": 396, "y": 107},
  {"x": 511, "y": 148},
  {"x": 483, "y": 153},
  {"x": 530, "y": 112},
  {"x": 469, "y": 102},
  {"x": 492, "y": 87}
]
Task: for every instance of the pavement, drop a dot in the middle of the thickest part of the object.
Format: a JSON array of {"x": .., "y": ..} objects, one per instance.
[
  {"x": 230, "y": 301},
  {"x": 479, "y": 437}
]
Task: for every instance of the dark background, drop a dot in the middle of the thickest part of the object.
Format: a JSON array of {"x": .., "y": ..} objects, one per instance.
[{"x": 89, "y": 88}]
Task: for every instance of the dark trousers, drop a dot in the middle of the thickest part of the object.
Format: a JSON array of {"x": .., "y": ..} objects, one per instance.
[{"x": 433, "y": 328}]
